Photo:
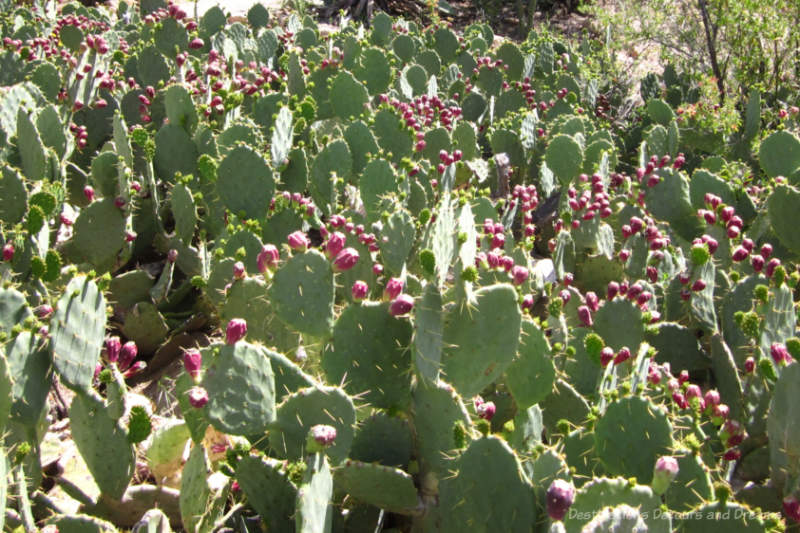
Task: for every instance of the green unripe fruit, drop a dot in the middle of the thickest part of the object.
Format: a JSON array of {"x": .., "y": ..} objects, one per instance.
[
  {"x": 593, "y": 344},
  {"x": 700, "y": 254}
]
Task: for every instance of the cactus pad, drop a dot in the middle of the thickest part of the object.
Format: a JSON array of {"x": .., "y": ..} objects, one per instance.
[
  {"x": 241, "y": 389},
  {"x": 309, "y": 407},
  {"x": 242, "y": 172},
  {"x": 302, "y": 293},
  {"x": 382, "y": 486},
  {"x": 631, "y": 435},
  {"x": 531, "y": 375},
  {"x": 78, "y": 328},
  {"x": 268, "y": 491},
  {"x": 481, "y": 338},
  {"x": 370, "y": 354}
]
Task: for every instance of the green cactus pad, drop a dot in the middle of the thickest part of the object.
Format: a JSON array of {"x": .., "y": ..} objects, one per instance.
[
  {"x": 164, "y": 453},
  {"x": 401, "y": 234},
  {"x": 103, "y": 444},
  {"x": 13, "y": 196},
  {"x": 720, "y": 517},
  {"x": 727, "y": 377},
  {"x": 392, "y": 134},
  {"x": 564, "y": 403},
  {"x": 348, "y": 96},
  {"x": 669, "y": 201},
  {"x": 29, "y": 362},
  {"x": 31, "y": 149},
  {"x": 781, "y": 205},
  {"x": 362, "y": 143},
  {"x": 184, "y": 212},
  {"x": 620, "y": 519},
  {"x": 282, "y": 136},
  {"x": 302, "y": 293},
  {"x": 80, "y": 523},
  {"x": 692, "y": 486},
  {"x": 309, "y": 407},
  {"x": 269, "y": 491},
  {"x": 528, "y": 428},
  {"x": 531, "y": 375},
  {"x": 77, "y": 330},
  {"x": 99, "y": 235},
  {"x": 335, "y": 159},
  {"x": 602, "y": 492},
  {"x": 481, "y": 338},
  {"x": 13, "y": 309},
  {"x": 242, "y": 172},
  {"x": 564, "y": 156},
  {"x": 175, "y": 152},
  {"x": 779, "y": 154},
  {"x": 370, "y": 354},
  {"x": 384, "y": 440},
  {"x": 180, "y": 108},
  {"x": 314, "y": 511},
  {"x": 195, "y": 492},
  {"x": 619, "y": 311},
  {"x": 7, "y": 390},
  {"x": 376, "y": 185},
  {"x": 289, "y": 378},
  {"x": 382, "y": 486},
  {"x": 438, "y": 411},
  {"x": 631, "y": 435},
  {"x": 428, "y": 335},
  {"x": 784, "y": 436},
  {"x": 487, "y": 467},
  {"x": 241, "y": 390},
  {"x": 677, "y": 345}
]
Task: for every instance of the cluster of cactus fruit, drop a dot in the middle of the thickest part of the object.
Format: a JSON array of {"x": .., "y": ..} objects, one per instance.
[{"x": 383, "y": 274}]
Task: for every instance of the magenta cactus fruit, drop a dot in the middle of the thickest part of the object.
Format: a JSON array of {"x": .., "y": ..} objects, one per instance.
[
  {"x": 486, "y": 410},
  {"x": 236, "y": 330},
  {"x": 320, "y": 437},
  {"x": 519, "y": 274},
  {"x": 623, "y": 355},
  {"x": 393, "y": 288},
  {"x": 298, "y": 241},
  {"x": 88, "y": 192},
  {"x": 335, "y": 244},
  {"x": 239, "y": 271},
  {"x": 198, "y": 397},
  {"x": 345, "y": 260},
  {"x": 113, "y": 347},
  {"x": 268, "y": 258},
  {"x": 360, "y": 290},
  {"x": 8, "y": 252},
  {"x": 196, "y": 43},
  {"x": 780, "y": 354},
  {"x": 560, "y": 496},
  {"x": 193, "y": 362},
  {"x": 791, "y": 508},
  {"x": 127, "y": 354},
  {"x": 664, "y": 473},
  {"x": 585, "y": 316},
  {"x": 401, "y": 305}
]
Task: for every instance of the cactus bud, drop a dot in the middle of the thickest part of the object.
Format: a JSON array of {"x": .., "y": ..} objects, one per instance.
[
  {"x": 268, "y": 258},
  {"x": 401, "y": 305},
  {"x": 393, "y": 288},
  {"x": 113, "y": 347},
  {"x": 298, "y": 241},
  {"x": 127, "y": 354},
  {"x": 606, "y": 356},
  {"x": 320, "y": 437},
  {"x": 360, "y": 290},
  {"x": 585, "y": 316},
  {"x": 335, "y": 244},
  {"x": 780, "y": 354},
  {"x": 612, "y": 290},
  {"x": 134, "y": 369},
  {"x": 193, "y": 362},
  {"x": 198, "y": 397},
  {"x": 88, "y": 192},
  {"x": 236, "y": 330},
  {"x": 239, "y": 270},
  {"x": 8, "y": 252},
  {"x": 345, "y": 260},
  {"x": 623, "y": 355},
  {"x": 519, "y": 274},
  {"x": 486, "y": 410},
  {"x": 698, "y": 285},
  {"x": 664, "y": 472},
  {"x": 43, "y": 311},
  {"x": 196, "y": 43},
  {"x": 592, "y": 301},
  {"x": 749, "y": 365},
  {"x": 560, "y": 496},
  {"x": 791, "y": 508}
]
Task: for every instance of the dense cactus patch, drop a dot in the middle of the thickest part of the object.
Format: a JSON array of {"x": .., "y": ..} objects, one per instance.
[{"x": 393, "y": 277}]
